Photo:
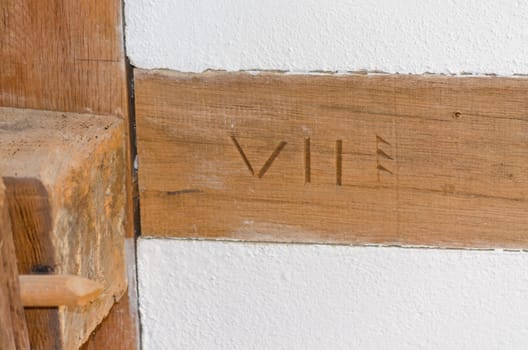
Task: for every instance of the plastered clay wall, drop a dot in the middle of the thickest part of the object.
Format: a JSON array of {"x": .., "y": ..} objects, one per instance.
[{"x": 232, "y": 295}]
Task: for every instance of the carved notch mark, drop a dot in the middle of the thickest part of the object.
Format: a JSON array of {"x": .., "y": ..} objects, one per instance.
[
  {"x": 307, "y": 161},
  {"x": 381, "y": 154},
  {"x": 268, "y": 162},
  {"x": 339, "y": 162},
  {"x": 243, "y": 155}
]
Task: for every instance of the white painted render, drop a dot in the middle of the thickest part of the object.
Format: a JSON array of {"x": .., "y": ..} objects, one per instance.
[
  {"x": 396, "y": 36},
  {"x": 228, "y": 295}
]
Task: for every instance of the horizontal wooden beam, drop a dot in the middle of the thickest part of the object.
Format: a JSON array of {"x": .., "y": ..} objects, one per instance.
[
  {"x": 65, "y": 184},
  {"x": 360, "y": 159}
]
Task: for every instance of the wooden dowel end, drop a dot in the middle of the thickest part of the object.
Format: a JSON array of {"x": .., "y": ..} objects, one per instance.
[{"x": 57, "y": 290}]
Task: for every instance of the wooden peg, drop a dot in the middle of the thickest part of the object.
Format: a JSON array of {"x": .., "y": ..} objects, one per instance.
[{"x": 57, "y": 290}]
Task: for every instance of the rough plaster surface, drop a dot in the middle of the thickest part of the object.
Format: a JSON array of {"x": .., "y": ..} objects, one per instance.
[
  {"x": 220, "y": 295},
  {"x": 407, "y": 36},
  {"x": 217, "y": 295}
]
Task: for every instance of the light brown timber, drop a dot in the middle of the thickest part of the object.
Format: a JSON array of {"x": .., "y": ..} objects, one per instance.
[
  {"x": 393, "y": 159},
  {"x": 57, "y": 290},
  {"x": 65, "y": 180},
  {"x": 63, "y": 55},
  {"x": 120, "y": 329},
  {"x": 13, "y": 330},
  {"x": 30, "y": 214},
  {"x": 68, "y": 55}
]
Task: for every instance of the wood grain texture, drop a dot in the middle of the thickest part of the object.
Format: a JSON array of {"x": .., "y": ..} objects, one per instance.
[
  {"x": 67, "y": 55},
  {"x": 360, "y": 159},
  {"x": 120, "y": 329},
  {"x": 63, "y": 55},
  {"x": 65, "y": 178},
  {"x": 13, "y": 330},
  {"x": 30, "y": 215},
  {"x": 57, "y": 290}
]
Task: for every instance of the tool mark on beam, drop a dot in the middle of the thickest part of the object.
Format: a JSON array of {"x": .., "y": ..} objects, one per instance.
[
  {"x": 339, "y": 162},
  {"x": 270, "y": 160},
  {"x": 307, "y": 161},
  {"x": 381, "y": 154},
  {"x": 243, "y": 155}
]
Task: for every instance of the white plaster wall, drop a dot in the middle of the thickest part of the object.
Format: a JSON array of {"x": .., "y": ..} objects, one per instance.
[
  {"x": 227, "y": 295},
  {"x": 406, "y": 36},
  {"x": 217, "y": 295}
]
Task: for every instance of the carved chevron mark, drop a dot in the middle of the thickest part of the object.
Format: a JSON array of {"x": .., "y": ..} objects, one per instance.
[
  {"x": 382, "y": 168},
  {"x": 268, "y": 162},
  {"x": 381, "y": 154},
  {"x": 380, "y": 139}
]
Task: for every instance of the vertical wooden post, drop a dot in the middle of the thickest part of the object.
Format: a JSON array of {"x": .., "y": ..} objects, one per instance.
[
  {"x": 66, "y": 55},
  {"x": 30, "y": 215},
  {"x": 13, "y": 331}
]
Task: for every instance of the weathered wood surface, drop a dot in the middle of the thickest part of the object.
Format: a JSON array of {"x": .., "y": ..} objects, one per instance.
[
  {"x": 65, "y": 179},
  {"x": 361, "y": 159},
  {"x": 63, "y": 55},
  {"x": 68, "y": 56},
  {"x": 30, "y": 214},
  {"x": 13, "y": 330},
  {"x": 50, "y": 290},
  {"x": 120, "y": 329}
]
